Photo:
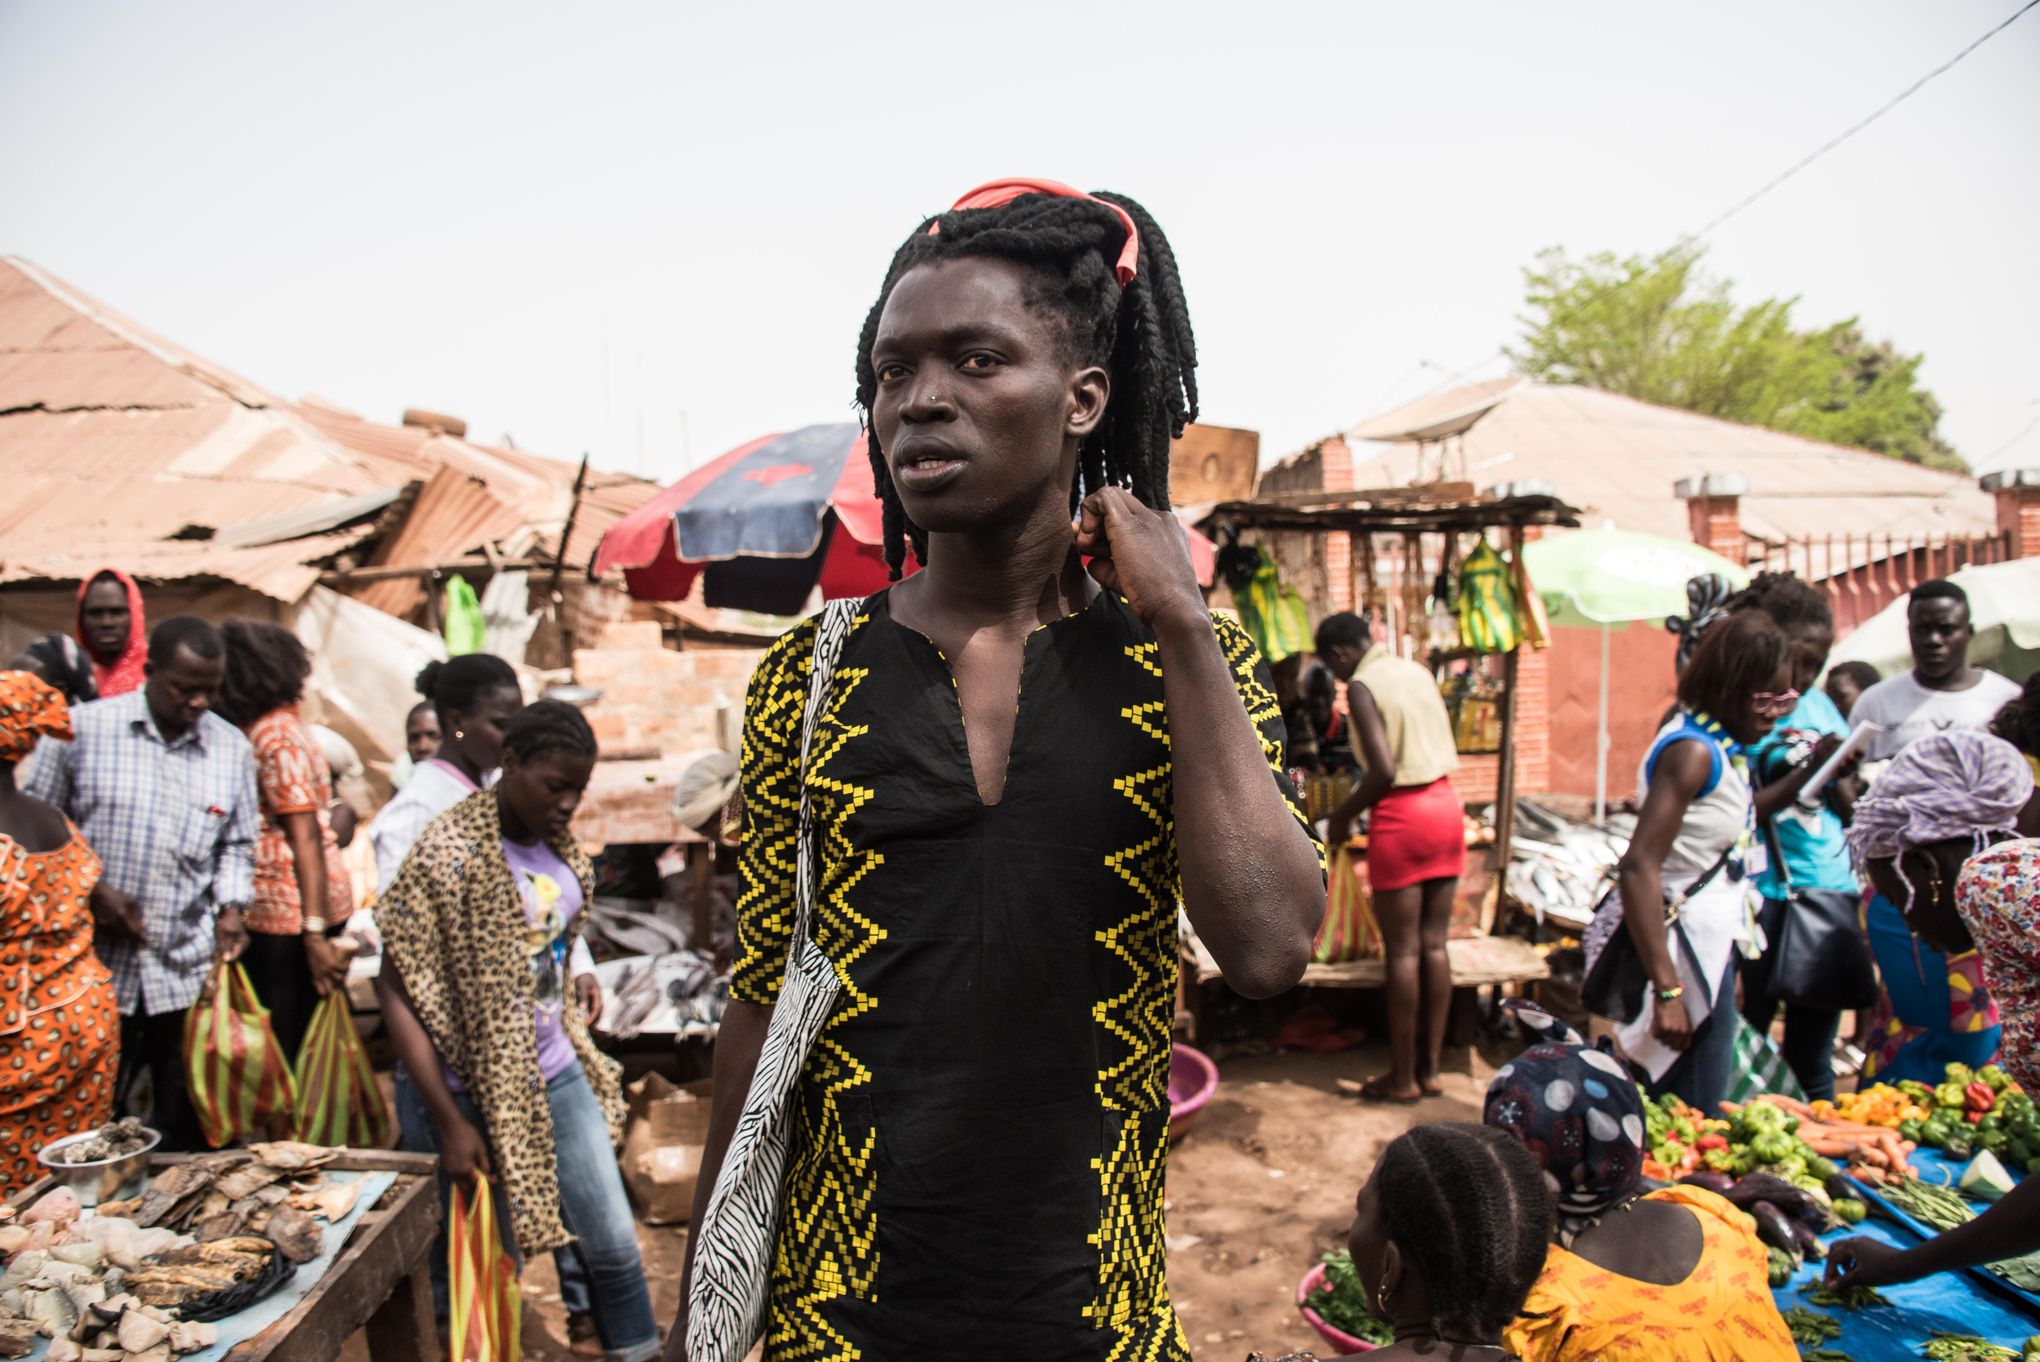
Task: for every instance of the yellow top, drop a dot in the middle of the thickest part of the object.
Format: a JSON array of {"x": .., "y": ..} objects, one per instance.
[
  {"x": 1419, "y": 729},
  {"x": 1722, "y": 1312}
]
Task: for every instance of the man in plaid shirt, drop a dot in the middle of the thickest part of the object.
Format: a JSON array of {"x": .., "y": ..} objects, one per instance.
[{"x": 164, "y": 792}]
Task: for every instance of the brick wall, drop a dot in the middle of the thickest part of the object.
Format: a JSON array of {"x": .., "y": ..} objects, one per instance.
[
  {"x": 656, "y": 699},
  {"x": 2018, "y": 518}
]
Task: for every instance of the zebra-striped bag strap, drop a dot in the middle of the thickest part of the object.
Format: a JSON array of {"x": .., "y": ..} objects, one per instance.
[{"x": 830, "y": 633}]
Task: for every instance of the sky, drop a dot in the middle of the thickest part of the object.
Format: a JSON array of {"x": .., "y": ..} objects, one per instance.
[{"x": 651, "y": 231}]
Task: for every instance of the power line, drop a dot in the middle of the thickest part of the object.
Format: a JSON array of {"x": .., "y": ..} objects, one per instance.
[{"x": 1693, "y": 238}]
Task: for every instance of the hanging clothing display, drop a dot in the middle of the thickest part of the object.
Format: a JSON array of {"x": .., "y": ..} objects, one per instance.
[
  {"x": 1487, "y": 602},
  {"x": 1275, "y": 614}
]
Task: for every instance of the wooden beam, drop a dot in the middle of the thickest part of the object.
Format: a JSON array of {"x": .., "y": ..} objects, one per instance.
[{"x": 356, "y": 576}]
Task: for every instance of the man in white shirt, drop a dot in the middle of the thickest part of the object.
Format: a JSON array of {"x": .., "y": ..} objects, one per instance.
[{"x": 1942, "y": 691}]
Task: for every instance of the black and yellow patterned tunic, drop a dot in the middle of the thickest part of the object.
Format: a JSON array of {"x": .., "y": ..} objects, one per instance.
[{"x": 978, "y": 1160}]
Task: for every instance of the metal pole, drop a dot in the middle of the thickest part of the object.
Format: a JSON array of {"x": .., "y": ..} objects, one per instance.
[{"x": 1601, "y": 743}]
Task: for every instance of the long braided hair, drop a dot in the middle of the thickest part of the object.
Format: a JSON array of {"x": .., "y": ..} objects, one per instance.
[
  {"x": 1470, "y": 1209},
  {"x": 1140, "y": 335}
]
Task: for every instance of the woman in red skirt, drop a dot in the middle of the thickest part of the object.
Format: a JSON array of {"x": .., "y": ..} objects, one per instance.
[{"x": 1416, "y": 842}]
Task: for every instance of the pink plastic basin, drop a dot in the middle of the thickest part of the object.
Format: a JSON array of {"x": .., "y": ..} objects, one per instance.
[
  {"x": 1193, "y": 1078},
  {"x": 1312, "y": 1280}
]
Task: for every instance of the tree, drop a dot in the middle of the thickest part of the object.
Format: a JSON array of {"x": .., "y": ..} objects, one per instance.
[{"x": 1665, "y": 331}]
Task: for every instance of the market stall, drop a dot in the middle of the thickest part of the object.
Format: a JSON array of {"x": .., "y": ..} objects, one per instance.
[
  {"x": 1427, "y": 563},
  {"x": 348, "y": 1236}
]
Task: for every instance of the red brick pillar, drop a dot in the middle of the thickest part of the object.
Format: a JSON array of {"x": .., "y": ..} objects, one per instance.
[
  {"x": 2017, "y": 493},
  {"x": 1714, "y": 513},
  {"x": 1336, "y": 475}
]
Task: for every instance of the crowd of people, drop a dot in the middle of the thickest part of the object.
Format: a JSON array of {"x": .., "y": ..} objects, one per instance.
[{"x": 973, "y": 804}]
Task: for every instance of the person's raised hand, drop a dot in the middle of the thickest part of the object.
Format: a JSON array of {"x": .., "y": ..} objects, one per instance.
[{"x": 1140, "y": 553}]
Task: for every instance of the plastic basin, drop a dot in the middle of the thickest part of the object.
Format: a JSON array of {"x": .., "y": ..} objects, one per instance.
[
  {"x": 1193, "y": 1078},
  {"x": 1312, "y": 1280}
]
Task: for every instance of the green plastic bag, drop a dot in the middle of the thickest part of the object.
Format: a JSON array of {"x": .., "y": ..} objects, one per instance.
[
  {"x": 338, "y": 1100},
  {"x": 466, "y": 630}
]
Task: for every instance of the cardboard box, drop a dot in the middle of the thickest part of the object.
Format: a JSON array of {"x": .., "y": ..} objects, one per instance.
[{"x": 663, "y": 1137}]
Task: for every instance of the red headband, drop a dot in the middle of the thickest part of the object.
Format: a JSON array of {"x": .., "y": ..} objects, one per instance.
[{"x": 1000, "y": 192}]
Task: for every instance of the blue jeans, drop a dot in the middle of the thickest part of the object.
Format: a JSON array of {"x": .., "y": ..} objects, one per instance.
[
  {"x": 592, "y": 1203},
  {"x": 1701, "y": 1076}
]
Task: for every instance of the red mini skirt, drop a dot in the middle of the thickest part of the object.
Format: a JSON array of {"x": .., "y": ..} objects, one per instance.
[{"x": 1416, "y": 833}]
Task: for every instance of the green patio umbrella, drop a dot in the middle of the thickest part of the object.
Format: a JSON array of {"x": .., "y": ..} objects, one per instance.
[{"x": 1597, "y": 579}]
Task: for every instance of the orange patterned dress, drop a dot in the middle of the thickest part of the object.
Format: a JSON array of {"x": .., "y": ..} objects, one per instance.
[
  {"x": 1722, "y": 1312},
  {"x": 59, "y": 1022}
]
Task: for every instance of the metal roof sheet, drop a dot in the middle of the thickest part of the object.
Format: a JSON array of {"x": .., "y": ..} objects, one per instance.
[
  {"x": 1616, "y": 458},
  {"x": 113, "y": 441}
]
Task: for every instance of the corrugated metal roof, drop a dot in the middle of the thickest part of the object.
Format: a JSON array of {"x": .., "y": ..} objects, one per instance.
[
  {"x": 113, "y": 440},
  {"x": 1616, "y": 458}
]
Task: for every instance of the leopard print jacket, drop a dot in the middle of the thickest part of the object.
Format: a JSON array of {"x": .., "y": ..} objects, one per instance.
[{"x": 453, "y": 924}]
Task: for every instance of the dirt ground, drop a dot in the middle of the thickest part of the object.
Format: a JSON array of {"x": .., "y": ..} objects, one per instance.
[{"x": 1259, "y": 1187}]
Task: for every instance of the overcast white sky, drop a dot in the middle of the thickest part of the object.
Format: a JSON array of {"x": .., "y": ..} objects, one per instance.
[{"x": 652, "y": 231}]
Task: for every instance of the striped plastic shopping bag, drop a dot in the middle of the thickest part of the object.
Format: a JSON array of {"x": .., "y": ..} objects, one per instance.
[
  {"x": 1349, "y": 931},
  {"x": 239, "y": 1077},
  {"x": 339, "y": 1102},
  {"x": 483, "y": 1311}
]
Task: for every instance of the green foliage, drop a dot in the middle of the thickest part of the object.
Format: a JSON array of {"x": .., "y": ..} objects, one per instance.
[{"x": 1665, "y": 331}]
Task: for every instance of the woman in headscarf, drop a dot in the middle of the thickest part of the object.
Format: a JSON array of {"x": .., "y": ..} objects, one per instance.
[
  {"x": 1937, "y": 836},
  {"x": 114, "y": 630},
  {"x": 1672, "y": 1275},
  {"x": 59, "y": 1024}
]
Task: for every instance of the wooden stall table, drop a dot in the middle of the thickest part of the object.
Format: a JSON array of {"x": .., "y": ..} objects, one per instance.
[
  {"x": 381, "y": 1281},
  {"x": 1477, "y": 962}
]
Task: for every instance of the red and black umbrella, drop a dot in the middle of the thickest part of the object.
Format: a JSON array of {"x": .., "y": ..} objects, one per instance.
[{"x": 768, "y": 522}]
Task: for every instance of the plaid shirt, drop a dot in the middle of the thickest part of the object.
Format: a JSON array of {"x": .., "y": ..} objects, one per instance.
[{"x": 174, "y": 822}]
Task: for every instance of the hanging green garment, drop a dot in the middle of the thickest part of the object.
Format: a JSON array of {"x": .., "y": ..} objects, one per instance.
[
  {"x": 1487, "y": 602},
  {"x": 466, "y": 631},
  {"x": 1274, "y": 613}
]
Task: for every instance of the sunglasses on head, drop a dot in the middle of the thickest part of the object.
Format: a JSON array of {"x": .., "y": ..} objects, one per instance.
[{"x": 1774, "y": 704}]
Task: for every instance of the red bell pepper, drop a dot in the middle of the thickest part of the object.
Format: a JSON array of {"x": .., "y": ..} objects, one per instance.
[
  {"x": 1706, "y": 1142},
  {"x": 1979, "y": 1098}
]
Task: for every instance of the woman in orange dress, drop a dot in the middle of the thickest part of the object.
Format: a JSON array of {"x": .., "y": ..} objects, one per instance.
[
  {"x": 59, "y": 1022},
  {"x": 1674, "y": 1275}
]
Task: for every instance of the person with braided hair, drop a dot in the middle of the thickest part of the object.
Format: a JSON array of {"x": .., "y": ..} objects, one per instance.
[
  {"x": 1448, "y": 1238},
  {"x": 1020, "y": 762},
  {"x": 1632, "y": 1274}
]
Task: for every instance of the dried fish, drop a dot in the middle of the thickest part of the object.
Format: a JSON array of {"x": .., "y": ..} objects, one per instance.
[
  {"x": 139, "y": 1333},
  {"x": 170, "y": 1190},
  {"x": 17, "y": 1336},
  {"x": 246, "y": 1181},
  {"x": 296, "y": 1234},
  {"x": 333, "y": 1201},
  {"x": 223, "y": 1226},
  {"x": 291, "y": 1155},
  {"x": 117, "y": 1141}
]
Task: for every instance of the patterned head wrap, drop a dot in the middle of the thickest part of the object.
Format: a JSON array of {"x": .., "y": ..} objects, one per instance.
[
  {"x": 30, "y": 709},
  {"x": 1940, "y": 788},
  {"x": 1706, "y": 602},
  {"x": 1578, "y": 1111}
]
